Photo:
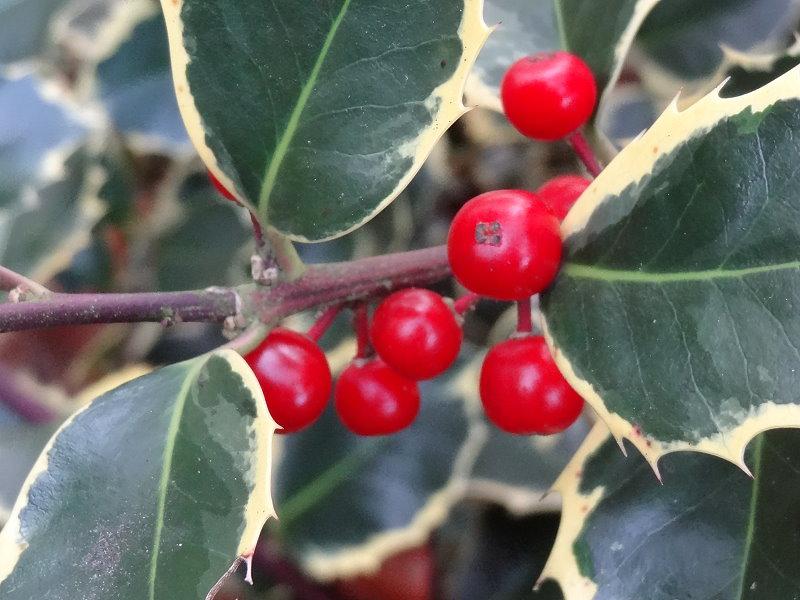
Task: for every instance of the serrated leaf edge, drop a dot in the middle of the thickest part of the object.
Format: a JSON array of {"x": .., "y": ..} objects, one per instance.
[
  {"x": 634, "y": 163},
  {"x": 562, "y": 566},
  {"x": 473, "y": 33}
]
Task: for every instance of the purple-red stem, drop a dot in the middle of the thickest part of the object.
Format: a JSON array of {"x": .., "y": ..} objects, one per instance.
[
  {"x": 320, "y": 286},
  {"x": 21, "y": 402},
  {"x": 524, "y": 319},
  {"x": 324, "y": 322},
  {"x": 361, "y": 327},
  {"x": 258, "y": 232},
  {"x": 584, "y": 151},
  {"x": 466, "y": 303}
]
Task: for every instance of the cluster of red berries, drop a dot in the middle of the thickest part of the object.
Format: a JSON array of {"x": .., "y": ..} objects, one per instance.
[
  {"x": 414, "y": 335},
  {"x": 505, "y": 245}
]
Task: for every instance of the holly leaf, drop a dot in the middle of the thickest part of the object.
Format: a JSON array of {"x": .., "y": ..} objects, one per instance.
[
  {"x": 674, "y": 312},
  {"x": 683, "y": 40},
  {"x": 24, "y": 28},
  {"x": 599, "y": 32},
  {"x": 134, "y": 83},
  {"x": 624, "y": 536},
  {"x": 346, "y": 503},
  {"x": 48, "y": 183},
  {"x": 319, "y": 118},
  {"x": 151, "y": 491}
]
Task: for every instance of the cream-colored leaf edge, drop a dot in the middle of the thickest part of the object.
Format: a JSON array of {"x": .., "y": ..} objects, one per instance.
[
  {"x": 367, "y": 557},
  {"x": 634, "y": 163},
  {"x": 561, "y": 565},
  {"x": 732, "y": 59},
  {"x": 449, "y": 97},
  {"x": 480, "y": 93},
  {"x": 258, "y": 510}
]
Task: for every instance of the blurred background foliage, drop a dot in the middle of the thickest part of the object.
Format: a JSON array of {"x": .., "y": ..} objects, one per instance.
[{"x": 100, "y": 190}]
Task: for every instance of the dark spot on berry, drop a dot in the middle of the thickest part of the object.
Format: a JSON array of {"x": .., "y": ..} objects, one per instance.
[{"x": 489, "y": 233}]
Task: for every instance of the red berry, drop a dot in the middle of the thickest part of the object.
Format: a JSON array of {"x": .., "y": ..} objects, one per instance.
[
  {"x": 373, "y": 399},
  {"x": 221, "y": 188},
  {"x": 560, "y": 193},
  {"x": 295, "y": 377},
  {"x": 416, "y": 333},
  {"x": 408, "y": 575},
  {"x": 505, "y": 245},
  {"x": 548, "y": 96},
  {"x": 523, "y": 391}
]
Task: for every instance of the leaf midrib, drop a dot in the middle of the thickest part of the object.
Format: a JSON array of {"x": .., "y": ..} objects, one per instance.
[
  {"x": 273, "y": 169},
  {"x": 758, "y": 453},
  {"x": 168, "y": 455},
  {"x": 581, "y": 271}
]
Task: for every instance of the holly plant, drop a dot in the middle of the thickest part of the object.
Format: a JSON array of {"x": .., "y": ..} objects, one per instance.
[{"x": 373, "y": 268}]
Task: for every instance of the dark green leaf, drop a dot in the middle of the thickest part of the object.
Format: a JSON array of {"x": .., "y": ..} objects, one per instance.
[
  {"x": 135, "y": 85},
  {"x": 684, "y": 37},
  {"x": 675, "y": 313},
  {"x": 47, "y": 185},
  {"x": 150, "y": 492},
  {"x": 709, "y": 531},
  {"x": 319, "y": 118},
  {"x": 201, "y": 214},
  {"x": 24, "y": 28}
]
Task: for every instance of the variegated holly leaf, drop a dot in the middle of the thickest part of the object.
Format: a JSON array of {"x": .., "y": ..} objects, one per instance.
[
  {"x": 134, "y": 83},
  {"x": 319, "y": 118},
  {"x": 683, "y": 40},
  {"x": 674, "y": 314},
  {"x": 600, "y": 32},
  {"x": 744, "y": 73},
  {"x": 625, "y": 536},
  {"x": 151, "y": 491},
  {"x": 25, "y": 27},
  {"x": 345, "y": 503},
  {"x": 48, "y": 183}
]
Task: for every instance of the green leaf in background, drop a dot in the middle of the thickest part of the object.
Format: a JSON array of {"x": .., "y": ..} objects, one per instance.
[
  {"x": 675, "y": 313},
  {"x": 747, "y": 72},
  {"x": 600, "y": 32},
  {"x": 48, "y": 185},
  {"x": 152, "y": 491},
  {"x": 709, "y": 531},
  {"x": 193, "y": 210},
  {"x": 684, "y": 38},
  {"x": 516, "y": 472},
  {"x": 135, "y": 85},
  {"x": 24, "y": 28},
  {"x": 319, "y": 118},
  {"x": 345, "y": 503}
]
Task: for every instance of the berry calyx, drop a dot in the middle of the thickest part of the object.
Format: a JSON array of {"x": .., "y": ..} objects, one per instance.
[
  {"x": 505, "y": 244},
  {"x": 560, "y": 193},
  {"x": 373, "y": 399},
  {"x": 522, "y": 390},
  {"x": 221, "y": 188},
  {"x": 295, "y": 377},
  {"x": 548, "y": 96},
  {"x": 416, "y": 333}
]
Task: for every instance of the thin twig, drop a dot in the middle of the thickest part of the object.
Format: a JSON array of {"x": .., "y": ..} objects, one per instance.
[
  {"x": 11, "y": 280},
  {"x": 584, "y": 151}
]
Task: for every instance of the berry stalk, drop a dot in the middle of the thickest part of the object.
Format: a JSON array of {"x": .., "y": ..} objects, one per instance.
[
  {"x": 584, "y": 151},
  {"x": 524, "y": 319}
]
